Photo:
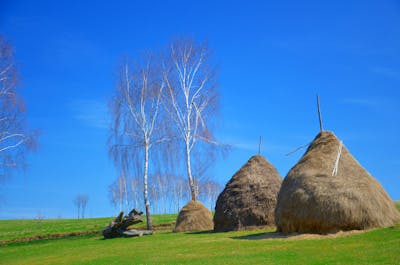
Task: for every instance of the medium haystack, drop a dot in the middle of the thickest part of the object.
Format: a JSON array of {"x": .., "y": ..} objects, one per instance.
[
  {"x": 249, "y": 198},
  {"x": 328, "y": 191},
  {"x": 194, "y": 216}
]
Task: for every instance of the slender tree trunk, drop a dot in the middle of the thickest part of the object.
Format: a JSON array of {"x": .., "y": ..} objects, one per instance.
[
  {"x": 126, "y": 194},
  {"x": 146, "y": 194},
  {"x": 189, "y": 172}
]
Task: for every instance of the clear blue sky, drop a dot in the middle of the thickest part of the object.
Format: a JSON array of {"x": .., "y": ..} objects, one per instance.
[{"x": 272, "y": 59}]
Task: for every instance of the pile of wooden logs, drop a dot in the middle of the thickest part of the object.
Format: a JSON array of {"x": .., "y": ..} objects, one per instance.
[{"x": 120, "y": 226}]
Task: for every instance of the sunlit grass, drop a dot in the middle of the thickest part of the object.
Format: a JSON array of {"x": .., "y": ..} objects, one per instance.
[
  {"x": 19, "y": 229},
  {"x": 373, "y": 247},
  {"x": 380, "y": 246}
]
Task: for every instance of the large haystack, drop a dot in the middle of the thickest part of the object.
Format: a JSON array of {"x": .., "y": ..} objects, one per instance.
[
  {"x": 194, "y": 216},
  {"x": 313, "y": 199},
  {"x": 249, "y": 198}
]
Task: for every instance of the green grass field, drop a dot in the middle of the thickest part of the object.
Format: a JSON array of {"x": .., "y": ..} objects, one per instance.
[{"x": 380, "y": 246}]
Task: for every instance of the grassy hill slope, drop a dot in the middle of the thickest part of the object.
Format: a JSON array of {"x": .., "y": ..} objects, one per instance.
[{"x": 379, "y": 246}]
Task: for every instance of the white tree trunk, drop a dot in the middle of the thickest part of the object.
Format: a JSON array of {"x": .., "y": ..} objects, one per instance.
[
  {"x": 145, "y": 189},
  {"x": 189, "y": 172}
]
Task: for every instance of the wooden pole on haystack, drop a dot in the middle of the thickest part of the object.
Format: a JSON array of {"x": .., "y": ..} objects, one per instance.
[
  {"x": 321, "y": 128},
  {"x": 259, "y": 146}
]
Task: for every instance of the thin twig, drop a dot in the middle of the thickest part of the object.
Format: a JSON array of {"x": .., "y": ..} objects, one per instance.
[{"x": 297, "y": 149}]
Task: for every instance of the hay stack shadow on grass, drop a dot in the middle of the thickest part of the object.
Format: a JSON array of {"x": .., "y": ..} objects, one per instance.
[
  {"x": 194, "y": 216},
  {"x": 296, "y": 236},
  {"x": 314, "y": 198}
]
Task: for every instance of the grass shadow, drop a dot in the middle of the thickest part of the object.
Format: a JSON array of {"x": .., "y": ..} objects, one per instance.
[
  {"x": 265, "y": 235},
  {"x": 200, "y": 232}
]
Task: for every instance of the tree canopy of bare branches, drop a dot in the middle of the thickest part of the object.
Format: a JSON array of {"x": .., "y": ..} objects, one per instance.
[
  {"x": 135, "y": 112},
  {"x": 192, "y": 102},
  {"x": 16, "y": 138},
  {"x": 80, "y": 202}
]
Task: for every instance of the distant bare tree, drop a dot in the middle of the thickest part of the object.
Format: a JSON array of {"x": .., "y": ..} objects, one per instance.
[
  {"x": 118, "y": 192},
  {"x": 84, "y": 200},
  {"x": 134, "y": 187},
  {"x": 16, "y": 138},
  {"x": 210, "y": 191},
  {"x": 40, "y": 216},
  {"x": 161, "y": 180},
  {"x": 77, "y": 203},
  {"x": 113, "y": 194},
  {"x": 154, "y": 193},
  {"x": 80, "y": 202},
  {"x": 192, "y": 99},
  {"x": 179, "y": 192},
  {"x": 135, "y": 112}
]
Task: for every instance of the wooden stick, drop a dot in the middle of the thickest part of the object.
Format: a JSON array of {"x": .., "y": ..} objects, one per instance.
[
  {"x": 336, "y": 166},
  {"x": 321, "y": 128}
]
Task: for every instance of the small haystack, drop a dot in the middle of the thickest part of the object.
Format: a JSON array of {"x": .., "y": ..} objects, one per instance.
[
  {"x": 328, "y": 191},
  {"x": 194, "y": 217},
  {"x": 249, "y": 198}
]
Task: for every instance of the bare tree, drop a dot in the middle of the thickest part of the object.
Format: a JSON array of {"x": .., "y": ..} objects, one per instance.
[
  {"x": 113, "y": 194},
  {"x": 134, "y": 187},
  {"x": 135, "y": 112},
  {"x": 192, "y": 98},
  {"x": 162, "y": 184},
  {"x": 178, "y": 191},
  {"x": 84, "y": 201},
  {"x": 78, "y": 205},
  {"x": 209, "y": 191},
  {"x": 118, "y": 192},
  {"x": 16, "y": 138},
  {"x": 123, "y": 191},
  {"x": 80, "y": 202},
  {"x": 154, "y": 193}
]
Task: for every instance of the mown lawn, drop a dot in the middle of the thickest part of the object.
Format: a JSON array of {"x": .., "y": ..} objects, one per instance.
[{"x": 380, "y": 246}]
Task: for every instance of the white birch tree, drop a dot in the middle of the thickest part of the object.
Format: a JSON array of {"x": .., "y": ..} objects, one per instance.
[
  {"x": 135, "y": 112},
  {"x": 16, "y": 138},
  {"x": 192, "y": 98}
]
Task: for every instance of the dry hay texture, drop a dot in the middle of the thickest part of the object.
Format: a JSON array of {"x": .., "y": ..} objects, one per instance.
[
  {"x": 249, "y": 198},
  {"x": 194, "y": 216},
  {"x": 311, "y": 200}
]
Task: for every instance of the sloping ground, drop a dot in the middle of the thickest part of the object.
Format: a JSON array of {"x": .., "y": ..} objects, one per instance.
[
  {"x": 373, "y": 247},
  {"x": 378, "y": 246},
  {"x": 29, "y": 230}
]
